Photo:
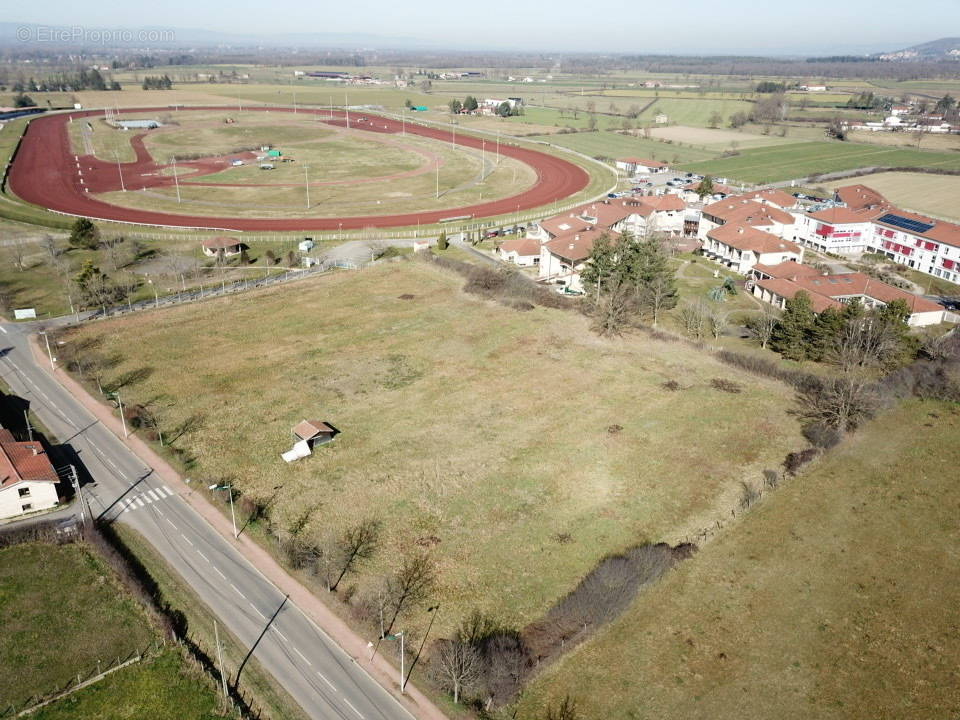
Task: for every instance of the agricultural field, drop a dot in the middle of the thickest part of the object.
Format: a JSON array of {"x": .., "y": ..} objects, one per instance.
[
  {"x": 934, "y": 194},
  {"x": 614, "y": 145},
  {"x": 834, "y": 597},
  {"x": 62, "y": 610},
  {"x": 928, "y": 141},
  {"x": 717, "y": 139},
  {"x": 797, "y": 160},
  {"x": 456, "y": 417}
]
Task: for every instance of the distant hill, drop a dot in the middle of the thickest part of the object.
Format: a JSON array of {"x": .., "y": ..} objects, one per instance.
[{"x": 942, "y": 49}]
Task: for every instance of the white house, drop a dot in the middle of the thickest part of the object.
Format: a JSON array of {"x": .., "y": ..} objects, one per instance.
[
  {"x": 28, "y": 482},
  {"x": 838, "y": 229},
  {"x": 640, "y": 166},
  {"x": 563, "y": 258},
  {"x": 521, "y": 251},
  {"x": 741, "y": 247}
]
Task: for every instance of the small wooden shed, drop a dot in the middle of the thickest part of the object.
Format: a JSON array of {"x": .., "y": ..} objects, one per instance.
[{"x": 314, "y": 432}]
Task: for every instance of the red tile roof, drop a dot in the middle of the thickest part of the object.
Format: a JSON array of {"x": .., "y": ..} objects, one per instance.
[
  {"x": 746, "y": 237},
  {"x": 825, "y": 290},
  {"x": 749, "y": 212},
  {"x": 523, "y": 246},
  {"x": 23, "y": 461},
  {"x": 841, "y": 215},
  {"x": 788, "y": 269},
  {"x": 560, "y": 224},
  {"x": 779, "y": 198},
  {"x": 857, "y": 197},
  {"x": 608, "y": 214},
  {"x": 576, "y": 246}
]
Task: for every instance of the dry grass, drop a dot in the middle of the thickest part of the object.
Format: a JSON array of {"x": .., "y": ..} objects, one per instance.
[
  {"x": 836, "y": 597},
  {"x": 936, "y": 194},
  {"x": 466, "y": 426},
  {"x": 716, "y": 139},
  {"x": 929, "y": 141}
]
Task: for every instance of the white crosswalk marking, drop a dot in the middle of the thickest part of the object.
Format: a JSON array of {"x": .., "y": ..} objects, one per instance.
[
  {"x": 169, "y": 491},
  {"x": 152, "y": 495},
  {"x": 139, "y": 502}
]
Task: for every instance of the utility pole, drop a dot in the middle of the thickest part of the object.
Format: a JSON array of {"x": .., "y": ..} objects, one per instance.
[
  {"x": 403, "y": 122},
  {"x": 223, "y": 675},
  {"x": 423, "y": 641},
  {"x": 483, "y": 159},
  {"x": 26, "y": 418},
  {"x": 346, "y": 109},
  {"x": 76, "y": 487},
  {"x": 438, "y": 184}
]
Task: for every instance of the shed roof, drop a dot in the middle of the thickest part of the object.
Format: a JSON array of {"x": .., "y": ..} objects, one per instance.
[{"x": 309, "y": 429}]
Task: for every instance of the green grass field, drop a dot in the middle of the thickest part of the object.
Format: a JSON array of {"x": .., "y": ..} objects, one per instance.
[
  {"x": 935, "y": 194},
  {"x": 614, "y": 145},
  {"x": 61, "y": 610},
  {"x": 835, "y": 597},
  {"x": 461, "y": 421},
  {"x": 764, "y": 165},
  {"x": 163, "y": 688}
]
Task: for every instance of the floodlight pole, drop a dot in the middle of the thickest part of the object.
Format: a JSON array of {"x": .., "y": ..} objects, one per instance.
[
  {"x": 346, "y": 109},
  {"x": 403, "y": 122},
  {"x": 120, "y": 170},
  {"x": 176, "y": 178},
  {"x": 498, "y": 147},
  {"x": 438, "y": 179},
  {"x": 306, "y": 183},
  {"x": 483, "y": 159}
]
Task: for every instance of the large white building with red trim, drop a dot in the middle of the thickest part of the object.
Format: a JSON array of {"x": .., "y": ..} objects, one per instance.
[{"x": 867, "y": 222}]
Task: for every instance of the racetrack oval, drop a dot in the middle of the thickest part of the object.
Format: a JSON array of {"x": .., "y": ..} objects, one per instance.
[{"x": 46, "y": 172}]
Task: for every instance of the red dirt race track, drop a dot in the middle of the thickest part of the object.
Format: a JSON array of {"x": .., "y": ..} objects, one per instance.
[{"x": 46, "y": 172}]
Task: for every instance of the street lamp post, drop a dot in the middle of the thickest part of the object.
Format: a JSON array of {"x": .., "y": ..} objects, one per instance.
[
  {"x": 156, "y": 295},
  {"x": 306, "y": 183},
  {"x": 46, "y": 339},
  {"x": 123, "y": 419},
  {"x": 399, "y": 636},
  {"x": 233, "y": 516},
  {"x": 176, "y": 178}
]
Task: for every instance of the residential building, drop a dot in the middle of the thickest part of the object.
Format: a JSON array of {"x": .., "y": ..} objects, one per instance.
[
  {"x": 563, "y": 258},
  {"x": 772, "y": 196},
  {"x": 778, "y": 284},
  {"x": 521, "y": 251},
  {"x": 919, "y": 242},
  {"x": 741, "y": 247},
  {"x": 737, "y": 209},
  {"x": 837, "y": 229},
  {"x": 28, "y": 482}
]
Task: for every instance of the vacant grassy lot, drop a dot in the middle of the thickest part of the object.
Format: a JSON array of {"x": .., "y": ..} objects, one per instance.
[
  {"x": 61, "y": 610},
  {"x": 907, "y": 140},
  {"x": 935, "y": 194},
  {"x": 716, "y": 138},
  {"x": 614, "y": 145},
  {"x": 836, "y": 597},
  {"x": 696, "y": 111},
  {"x": 763, "y": 165},
  {"x": 482, "y": 432}
]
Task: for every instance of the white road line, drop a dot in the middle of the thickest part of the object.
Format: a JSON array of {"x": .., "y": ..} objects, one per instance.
[
  {"x": 220, "y": 573},
  {"x": 238, "y": 591},
  {"x": 187, "y": 539},
  {"x": 169, "y": 491},
  {"x": 324, "y": 678},
  {"x": 352, "y": 707},
  {"x": 159, "y": 511},
  {"x": 139, "y": 502},
  {"x": 257, "y": 611},
  {"x": 152, "y": 495},
  {"x": 297, "y": 651},
  {"x": 2, "y": 328},
  {"x": 281, "y": 635},
  {"x": 200, "y": 553},
  {"x": 174, "y": 526}
]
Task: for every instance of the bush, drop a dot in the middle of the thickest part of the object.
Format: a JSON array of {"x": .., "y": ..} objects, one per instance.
[
  {"x": 822, "y": 435},
  {"x": 671, "y": 385},
  {"x": 771, "y": 478},
  {"x": 724, "y": 385},
  {"x": 796, "y": 460},
  {"x": 767, "y": 368},
  {"x": 748, "y": 495}
]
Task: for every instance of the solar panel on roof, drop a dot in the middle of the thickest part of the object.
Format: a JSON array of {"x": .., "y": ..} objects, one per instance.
[{"x": 905, "y": 223}]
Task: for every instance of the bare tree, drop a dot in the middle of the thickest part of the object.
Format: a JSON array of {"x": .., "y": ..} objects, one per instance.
[
  {"x": 18, "y": 253},
  {"x": 761, "y": 327},
  {"x": 358, "y": 543},
  {"x": 842, "y": 402},
  {"x": 693, "y": 317},
  {"x": 717, "y": 320},
  {"x": 566, "y": 710},
  {"x": 866, "y": 342},
  {"x": 457, "y": 665},
  {"x": 409, "y": 585},
  {"x": 658, "y": 296}
]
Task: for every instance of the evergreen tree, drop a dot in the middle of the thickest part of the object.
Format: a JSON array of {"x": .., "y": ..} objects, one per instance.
[
  {"x": 84, "y": 234},
  {"x": 705, "y": 187},
  {"x": 826, "y": 328},
  {"x": 470, "y": 103},
  {"x": 791, "y": 336},
  {"x": 442, "y": 243}
]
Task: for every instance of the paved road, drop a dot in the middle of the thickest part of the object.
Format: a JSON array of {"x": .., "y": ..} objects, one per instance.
[{"x": 320, "y": 676}]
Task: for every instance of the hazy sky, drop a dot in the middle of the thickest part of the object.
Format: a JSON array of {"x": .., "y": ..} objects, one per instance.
[{"x": 687, "y": 27}]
